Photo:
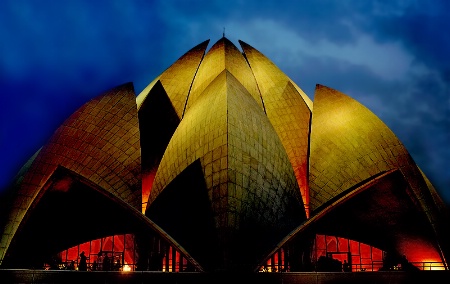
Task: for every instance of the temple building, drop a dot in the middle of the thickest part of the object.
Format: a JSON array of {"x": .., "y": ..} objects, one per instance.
[{"x": 223, "y": 163}]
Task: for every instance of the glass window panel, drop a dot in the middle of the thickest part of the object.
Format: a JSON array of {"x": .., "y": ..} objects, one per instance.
[
  {"x": 343, "y": 245},
  {"x": 356, "y": 260},
  {"x": 174, "y": 260},
  {"x": 366, "y": 264},
  {"x": 320, "y": 241},
  {"x": 354, "y": 247},
  {"x": 377, "y": 254},
  {"x": 95, "y": 249},
  {"x": 95, "y": 246},
  {"x": 365, "y": 251},
  {"x": 123, "y": 246},
  {"x": 340, "y": 256},
  {"x": 107, "y": 244},
  {"x": 63, "y": 256},
  {"x": 169, "y": 259},
  {"x": 118, "y": 243},
  {"x": 331, "y": 244},
  {"x": 129, "y": 254},
  {"x": 185, "y": 263},
  {"x": 72, "y": 253},
  {"x": 164, "y": 264},
  {"x": 177, "y": 255},
  {"x": 363, "y": 256}
]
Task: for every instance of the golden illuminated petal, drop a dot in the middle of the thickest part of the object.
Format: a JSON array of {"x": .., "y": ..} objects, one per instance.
[
  {"x": 288, "y": 110},
  {"x": 268, "y": 75},
  {"x": 177, "y": 79},
  {"x": 143, "y": 95},
  {"x": 349, "y": 145},
  {"x": 100, "y": 142},
  {"x": 223, "y": 55}
]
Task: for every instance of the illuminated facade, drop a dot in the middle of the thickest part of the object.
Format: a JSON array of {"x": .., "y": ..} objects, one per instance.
[{"x": 222, "y": 163}]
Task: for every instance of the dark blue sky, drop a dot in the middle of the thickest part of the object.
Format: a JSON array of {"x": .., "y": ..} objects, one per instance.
[{"x": 392, "y": 56}]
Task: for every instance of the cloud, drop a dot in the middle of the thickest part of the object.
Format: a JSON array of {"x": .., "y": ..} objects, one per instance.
[{"x": 388, "y": 60}]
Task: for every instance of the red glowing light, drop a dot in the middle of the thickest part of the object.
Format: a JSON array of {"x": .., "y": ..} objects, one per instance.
[{"x": 147, "y": 183}]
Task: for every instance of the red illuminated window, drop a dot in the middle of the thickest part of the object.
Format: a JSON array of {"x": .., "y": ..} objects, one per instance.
[{"x": 119, "y": 249}]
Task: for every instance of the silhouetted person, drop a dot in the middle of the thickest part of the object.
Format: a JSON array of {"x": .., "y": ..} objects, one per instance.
[
  {"x": 82, "y": 266},
  {"x": 106, "y": 263},
  {"x": 94, "y": 265}
]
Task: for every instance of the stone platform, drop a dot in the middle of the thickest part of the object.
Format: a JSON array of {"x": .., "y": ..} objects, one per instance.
[{"x": 55, "y": 276}]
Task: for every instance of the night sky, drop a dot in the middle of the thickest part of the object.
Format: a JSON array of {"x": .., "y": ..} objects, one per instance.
[{"x": 391, "y": 56}]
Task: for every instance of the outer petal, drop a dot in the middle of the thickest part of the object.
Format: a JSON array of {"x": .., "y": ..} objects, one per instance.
[
  {"x": 100, "y": 142},
  {"x": 289, "y": 111}
]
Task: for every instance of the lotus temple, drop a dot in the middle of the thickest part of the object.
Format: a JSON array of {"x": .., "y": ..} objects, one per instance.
[{"x": 223, "y": 164}]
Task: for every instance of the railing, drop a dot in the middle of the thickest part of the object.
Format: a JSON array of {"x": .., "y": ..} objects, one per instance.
[
  {"x": 377, "y": 265},
  {"x": 373, "y": 266},
  {"x": 430, "y": 265}
]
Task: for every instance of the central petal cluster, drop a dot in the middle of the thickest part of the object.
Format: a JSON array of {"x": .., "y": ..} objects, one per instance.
[{"x": 226, "y": 182}]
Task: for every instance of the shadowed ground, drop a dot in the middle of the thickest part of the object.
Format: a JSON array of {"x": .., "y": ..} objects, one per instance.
[{"x": 392, "y": 277}]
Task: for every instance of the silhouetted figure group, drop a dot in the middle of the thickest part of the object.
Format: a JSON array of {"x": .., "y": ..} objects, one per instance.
[
  {"x": 102, "y": 263},
  {"x": 325, "y": 263},
  {"x": 105, "y": 263}
]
